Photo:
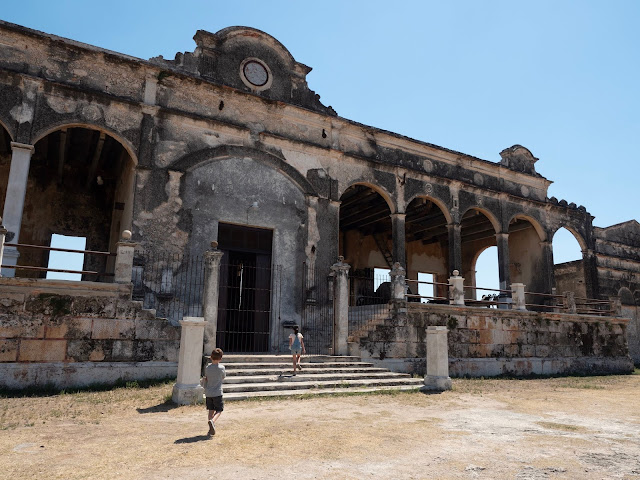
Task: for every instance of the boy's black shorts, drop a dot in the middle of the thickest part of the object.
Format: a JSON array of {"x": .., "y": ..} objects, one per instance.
[{"x": 215, "y": 403}]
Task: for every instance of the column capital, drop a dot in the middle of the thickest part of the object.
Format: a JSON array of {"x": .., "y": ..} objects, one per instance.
[
  {"x": 502, "y": 235},
  {"x": 340, "y": 267},
  {"x": 212, "y": 258},
  {"x": 399, "y": 215},
  {"x": 22, "y": 146}
]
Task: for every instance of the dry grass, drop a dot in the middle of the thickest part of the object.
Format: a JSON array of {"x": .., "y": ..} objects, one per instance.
[{"x": 482, "y": 429}]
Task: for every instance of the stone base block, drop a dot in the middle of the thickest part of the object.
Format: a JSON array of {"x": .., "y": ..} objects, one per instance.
[
  {"x": 434, "y": 383},
  {"x": 187, "y": 394},
  {"x": 16, "y": 376}
]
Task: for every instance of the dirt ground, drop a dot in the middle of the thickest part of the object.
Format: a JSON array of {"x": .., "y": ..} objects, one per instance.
[{"x": 562, "y": 428}]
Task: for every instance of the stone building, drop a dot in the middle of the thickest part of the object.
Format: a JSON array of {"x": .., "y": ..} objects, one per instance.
[{"x": 228, "y": 143}]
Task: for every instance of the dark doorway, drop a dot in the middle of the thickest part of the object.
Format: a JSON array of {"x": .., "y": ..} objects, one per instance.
[{"x": 244, "y": 307}]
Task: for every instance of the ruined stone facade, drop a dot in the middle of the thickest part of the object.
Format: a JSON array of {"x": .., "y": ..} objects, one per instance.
[{"x": 228, "y": 143}]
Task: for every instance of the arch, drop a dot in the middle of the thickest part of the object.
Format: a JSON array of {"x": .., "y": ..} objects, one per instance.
[
  {"x": 208, "y": 155},
  {"x": 542, "y": 234},
  {"x": 376, "y": 188},
  {"x": 232, "y": 33},
  {"x": 4, "y": 125},
  {"x": 474, "y": 268},
  {"x": 577, "y": 236},
  {"x": 490, "y": 216},
  {"x": 89, "y": 126},
  {"x": 437, "y": 202},
  {"x": 626, "y": 296}
]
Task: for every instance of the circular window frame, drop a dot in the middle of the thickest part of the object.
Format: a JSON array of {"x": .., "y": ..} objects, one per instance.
[{"x": 245, "y": 80}]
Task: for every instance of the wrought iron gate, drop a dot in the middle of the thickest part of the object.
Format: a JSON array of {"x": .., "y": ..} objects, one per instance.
[
  {"x": 317, "y": 310},
  {"x": 245, "y": 306}
]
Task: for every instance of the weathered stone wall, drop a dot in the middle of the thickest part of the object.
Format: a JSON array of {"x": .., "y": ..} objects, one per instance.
[
  {"x": 57, "y": 324},
  {"x": 569, "y": 277},
  {"x": 489, "y": 342}
]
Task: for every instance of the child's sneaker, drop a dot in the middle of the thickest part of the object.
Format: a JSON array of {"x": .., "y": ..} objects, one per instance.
[{"x": 212, "y": 428}]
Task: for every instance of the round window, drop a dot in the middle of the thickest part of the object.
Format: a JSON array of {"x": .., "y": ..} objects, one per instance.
[{"x": 255, "y": 73}]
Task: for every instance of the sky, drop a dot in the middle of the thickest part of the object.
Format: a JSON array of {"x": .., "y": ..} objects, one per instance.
[{"x": 558, "y": 77}]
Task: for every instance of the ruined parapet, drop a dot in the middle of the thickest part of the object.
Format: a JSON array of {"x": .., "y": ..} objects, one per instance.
[{"x": 72, "y": 334}]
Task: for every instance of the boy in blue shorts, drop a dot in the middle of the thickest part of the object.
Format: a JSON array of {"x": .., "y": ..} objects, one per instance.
[{"x": 212, "y": 382}]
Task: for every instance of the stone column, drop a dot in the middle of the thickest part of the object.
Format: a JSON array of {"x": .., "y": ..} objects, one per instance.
[
  {"x": 590, "y": 273},
  {"x": 187, "y": 389},
  {"x": 211, "y": 292},
  {"x": 517, "y": 295},
  {"x": 455, "y": 246},
  {"x": 502, "y": 241},
  {"x": 398, "y": 283},
  {"x": 437, "y": 377},
  {"x": 456, "y": 289},
  {"x": 124, "y": 258},
  {"x": 3, "y": 232},
  {"x": 399, "y": 242},
  {"x": 14, "y": 201},
  {"x": 341, "y": 307}
]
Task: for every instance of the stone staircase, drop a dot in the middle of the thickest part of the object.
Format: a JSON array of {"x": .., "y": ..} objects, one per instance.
[
  {"x": 251, "y": 376},
  {"x": 374, "y": 314}
]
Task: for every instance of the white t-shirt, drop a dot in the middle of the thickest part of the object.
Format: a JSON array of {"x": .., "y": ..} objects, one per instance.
[{"x": 292, "y": 337}]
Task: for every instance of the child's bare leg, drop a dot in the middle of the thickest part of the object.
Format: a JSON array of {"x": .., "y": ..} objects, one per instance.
[
  {"x": 294, "y": 364},
  {"x": 298, "y": 360},
  {"x": 216, "y": 416},
  {"x": 210, "y": 414}
]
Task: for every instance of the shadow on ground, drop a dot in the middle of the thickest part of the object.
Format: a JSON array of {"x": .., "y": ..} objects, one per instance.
[
  {"x": 160, "y": 408},
  {"x": 197, "y": 438}
]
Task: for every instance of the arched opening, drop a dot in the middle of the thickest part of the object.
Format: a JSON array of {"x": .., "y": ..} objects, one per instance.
[
  {"x": 486, "y": 273},
  {"x": 80, "y": 185},
  {"x": 568, "y": 268},
  {"x": 477, "y": 233},
  {"x": 5, "y": 160},
  {"x": 366, "y": 243},
  {"x": 526, "y": 259},
  {"x": 427, "y": 248}
]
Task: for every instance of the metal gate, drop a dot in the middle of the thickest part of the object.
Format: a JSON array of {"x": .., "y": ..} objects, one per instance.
[
  {"x": 317, "y": 310},
  {"x": 245, "y": 306}
]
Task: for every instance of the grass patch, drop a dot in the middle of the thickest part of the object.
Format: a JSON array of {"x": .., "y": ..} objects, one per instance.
[{"x": 51, "y": 390}]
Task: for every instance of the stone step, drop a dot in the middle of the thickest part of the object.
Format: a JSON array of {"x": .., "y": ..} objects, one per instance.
[
  {"x": 230, "y": 367},
  {"x": 308, "y": 369},
  {"x": 317, "y": 391},
  {"x": 315, "y": 377},
  {"x": 286, "y": 358},
  {"x": 295, "y": 383}
]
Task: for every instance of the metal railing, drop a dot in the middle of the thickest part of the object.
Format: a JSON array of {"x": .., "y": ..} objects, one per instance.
[
  {"x": 413, "y": 297},
  {"x": 38, "y": 269},
  {"x": 501, "y": 298},
  {"x": 368, "y": 304},
  {"x": 170, "y": 283}
]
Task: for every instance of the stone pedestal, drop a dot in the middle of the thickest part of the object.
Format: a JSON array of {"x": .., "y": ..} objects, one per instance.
[
  {"x": 187, "y": 389},
  {"x": 341, "y": 307},
  {"x": 437, "y": 377},
  {"x": 398, "y": 282},
  {"x": 456, "y": 289},
  {"x": 124, "y": 258},
  {"x": 517, "y": 296}
]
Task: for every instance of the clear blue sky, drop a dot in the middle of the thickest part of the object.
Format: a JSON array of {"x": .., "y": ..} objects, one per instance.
[{"x": 559, "y": 77}]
